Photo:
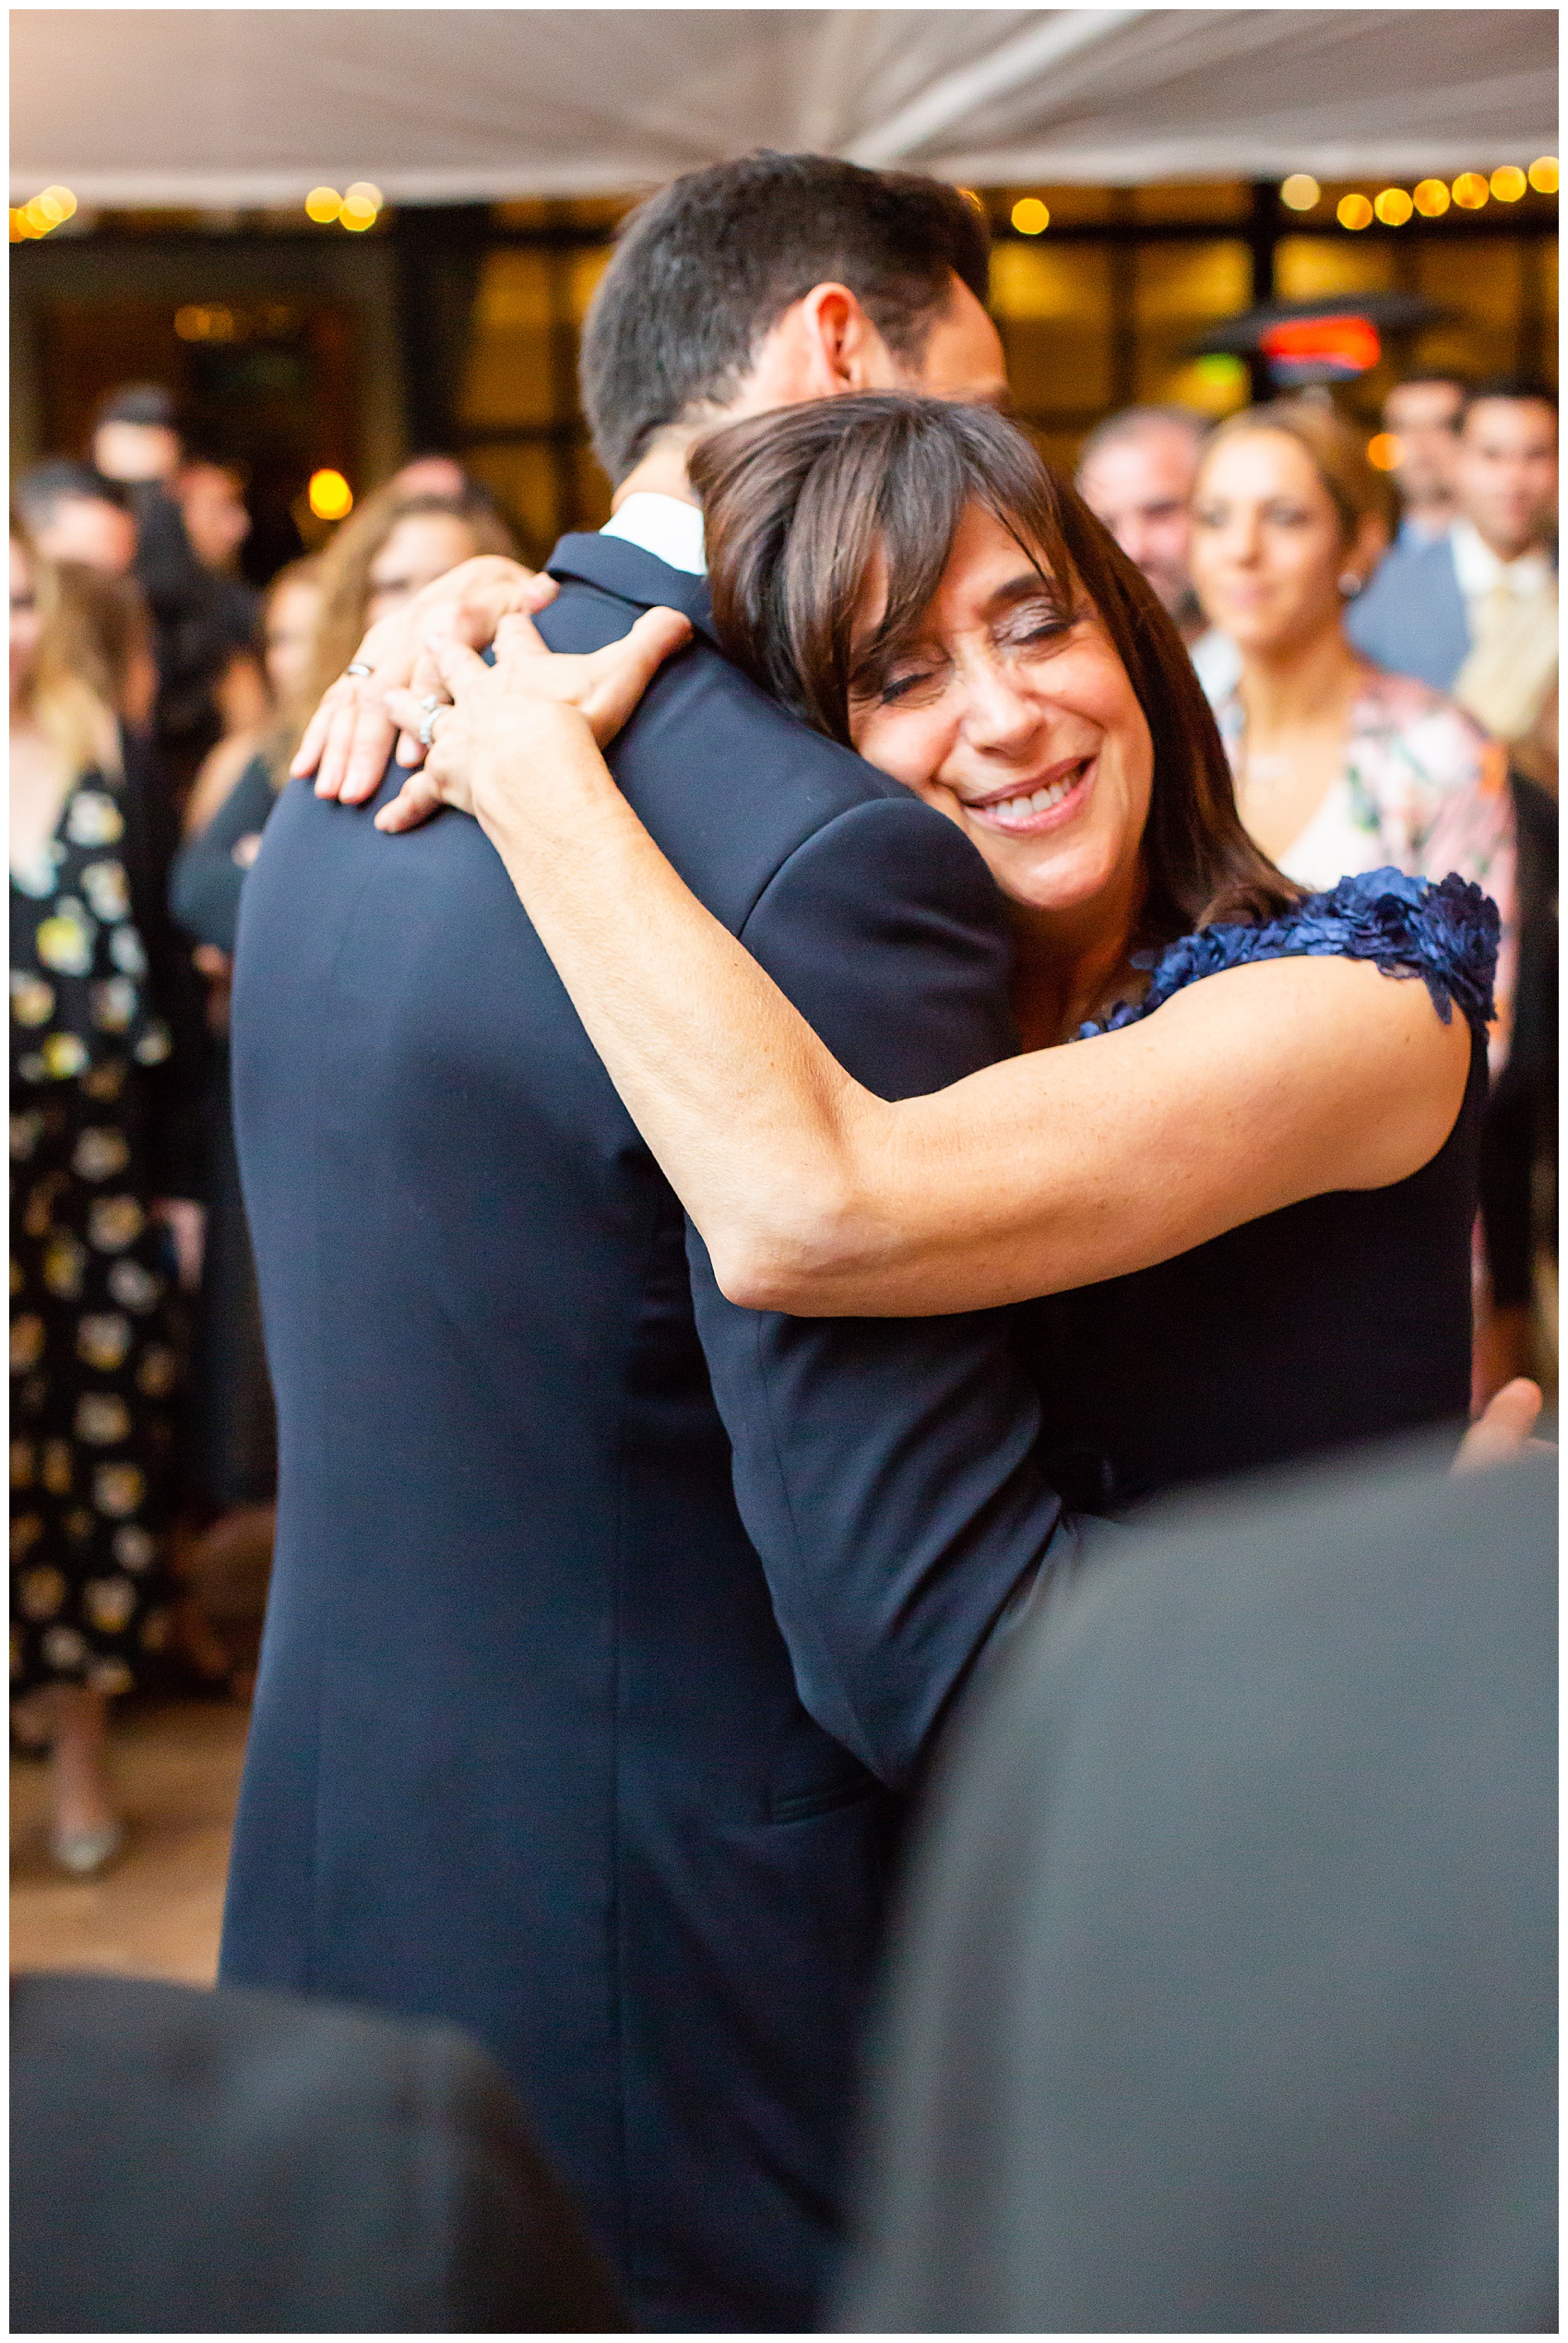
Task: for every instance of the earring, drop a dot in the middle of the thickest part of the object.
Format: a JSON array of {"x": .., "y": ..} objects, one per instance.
[{"x": 1349, "y": 584}]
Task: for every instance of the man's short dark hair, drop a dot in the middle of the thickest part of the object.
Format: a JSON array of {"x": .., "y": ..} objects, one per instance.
[
  {"x": 1523, "y": 389},
  {"x": 148, "y": 404},
  {"x": 707, "y": 267},
  {"x": 62, "y": 481}
]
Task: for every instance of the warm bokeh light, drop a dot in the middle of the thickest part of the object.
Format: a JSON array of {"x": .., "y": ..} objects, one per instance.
[
  {"x": 323, "y": 205},
  {"x": 196, "y": 323},
  {"x": 357, "y": 216},
  {"x": 1299, "y": 192},
  {"x": 1508, "y": 183},
  {"x": 57, "y": 203},
  {"x": 1543, "y": 175},
  {"x": 329, "y": 496},
  {"x": 1354, "y": 211},
  {"x": 1431, "y": 198},
  {"x": 1385, "y": 451},
  {"x": 1394, "y": 206},
  {"x": 1030, "y": 217},
  {"x": 1470, "y": 191},
  {"x": 364, "y": 191}
]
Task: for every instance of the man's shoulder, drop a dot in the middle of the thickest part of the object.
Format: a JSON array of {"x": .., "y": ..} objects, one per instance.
[{"x": 729, "y": 783}]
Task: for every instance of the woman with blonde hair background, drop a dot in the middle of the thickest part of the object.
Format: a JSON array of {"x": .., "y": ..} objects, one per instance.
[
  {"x": 106, "y": 1036},
  {"x": 1339, "y": 768}
]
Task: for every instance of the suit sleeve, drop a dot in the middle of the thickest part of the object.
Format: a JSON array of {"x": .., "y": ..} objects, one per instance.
[{"x": 885, "y": 1468}]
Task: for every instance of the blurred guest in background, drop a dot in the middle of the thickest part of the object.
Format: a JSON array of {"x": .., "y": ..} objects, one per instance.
[
  {"x": 136, "y": 437},
  {"x": 72, "y": 514},
  {"x": 1422, "y": 413},
  {"x": 1338, "y": 767},
  {"x": 105, "y": 1023},
  {"x": 212, "y": 507},
  {"x": 209, "y": 676},
  {"x": 1135, "y": 473},
  {"x": 316, "y": 613},
  {"x": 233, "y": 1435},
  {"x": 119, "y": 625},
  {"x": 429, "y": 474},
  {"x": 394, "y": 545},
  {"x": 1474, "y": 613}
]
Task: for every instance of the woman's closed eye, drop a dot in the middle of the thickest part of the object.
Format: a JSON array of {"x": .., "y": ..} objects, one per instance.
[{"x": 1035, "y": 626}]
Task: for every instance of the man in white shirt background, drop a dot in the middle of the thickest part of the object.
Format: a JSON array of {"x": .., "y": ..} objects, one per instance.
[
  {"x": 1474, "y": 613},
  {"x": 1422, "y": 415}
]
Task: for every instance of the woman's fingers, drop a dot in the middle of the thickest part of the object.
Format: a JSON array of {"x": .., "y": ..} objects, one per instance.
[
  {"x": 1503, "y": 1430},
  {"x": 361, "y": 744},
  {"x": 415, "y": 803},
  {"x": 621, "y": 672}
]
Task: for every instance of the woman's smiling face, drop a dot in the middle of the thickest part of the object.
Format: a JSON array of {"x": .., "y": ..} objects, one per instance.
[{"x": 1015, "y": 717}]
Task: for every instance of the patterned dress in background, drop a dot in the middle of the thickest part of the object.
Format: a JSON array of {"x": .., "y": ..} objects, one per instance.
[
  {"x": 1422, "y": 789},
  {"x": 94, "y": 1362}
]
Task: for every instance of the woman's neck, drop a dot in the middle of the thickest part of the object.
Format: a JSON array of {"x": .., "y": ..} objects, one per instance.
[
  {"x": 1300, "y": 687},
  {"x": 1067, "y": 966}
]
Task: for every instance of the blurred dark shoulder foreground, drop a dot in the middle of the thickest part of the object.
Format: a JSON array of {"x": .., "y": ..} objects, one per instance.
[
  {"x": 241, "y": 2163},
  {"x": 1226, "y": 1997}
]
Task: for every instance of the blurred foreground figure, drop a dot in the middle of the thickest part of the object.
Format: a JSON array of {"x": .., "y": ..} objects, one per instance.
[
  {"x": 1228, "y": 1996},
  {"x": 240, "y": 2163}
]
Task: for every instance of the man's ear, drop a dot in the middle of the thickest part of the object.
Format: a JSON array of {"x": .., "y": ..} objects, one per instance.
[{"x": 824, "y": 344}]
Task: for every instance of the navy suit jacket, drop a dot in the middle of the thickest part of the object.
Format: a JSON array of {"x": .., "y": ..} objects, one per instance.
[
  {"x": 610, "y": 1624},
  {"x": 1412, "y": 617}
]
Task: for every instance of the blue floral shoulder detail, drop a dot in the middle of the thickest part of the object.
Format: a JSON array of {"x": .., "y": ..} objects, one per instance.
[{"x": 1443, "y": 930}]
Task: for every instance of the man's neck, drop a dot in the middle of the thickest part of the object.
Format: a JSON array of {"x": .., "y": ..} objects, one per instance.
[
  {"x": 662, "y": 471},
  {"x": 1507, "y": 554}
]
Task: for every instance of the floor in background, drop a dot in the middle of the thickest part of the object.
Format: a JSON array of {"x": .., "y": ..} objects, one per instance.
[{"x": 157, "y": 1913}]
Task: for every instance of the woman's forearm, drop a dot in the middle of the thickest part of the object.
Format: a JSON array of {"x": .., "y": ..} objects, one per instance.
[
  {"x": 759, "y": 1129},
  {"x": 1243, "y": 1094}
]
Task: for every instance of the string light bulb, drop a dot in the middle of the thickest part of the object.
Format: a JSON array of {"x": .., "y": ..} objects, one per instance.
[
  {"x": 329, "y": 496},
  {"x": 1471, "y": 191},
  {"x": 1542, "y": 174},
  {"x": 1431, "y": 198},
  {"x": 1508, "y": 183},
  {"x": 323, "y": 205},
  {"x": 1393, "y": 206},
  {"x": 1353, "y": 212},
  {"x": 1030, "y": 217},
  {"x": 1299, "y": 192}
]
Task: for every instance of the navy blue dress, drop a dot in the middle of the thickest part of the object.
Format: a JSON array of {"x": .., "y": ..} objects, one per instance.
[{"x": 1342, "y": 1319}]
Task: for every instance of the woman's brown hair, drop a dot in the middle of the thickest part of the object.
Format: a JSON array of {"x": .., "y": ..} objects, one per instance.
[{"x": 801, "y": 506}]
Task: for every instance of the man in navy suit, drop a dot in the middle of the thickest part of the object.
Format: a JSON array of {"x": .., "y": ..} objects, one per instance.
[
  {"x": 612, "y": 1625},
  {"x": 1436, "y": 600}
]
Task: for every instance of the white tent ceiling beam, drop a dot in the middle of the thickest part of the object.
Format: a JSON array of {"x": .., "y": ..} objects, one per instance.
[{"x": 211, "y": 107}]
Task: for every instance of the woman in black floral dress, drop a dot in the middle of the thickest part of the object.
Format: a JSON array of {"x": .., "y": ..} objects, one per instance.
[{"x": 103, "y": 1037}]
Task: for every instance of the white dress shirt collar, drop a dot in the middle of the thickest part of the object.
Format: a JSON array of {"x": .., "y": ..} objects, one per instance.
[
  {"x": 1479, "y": 570},
  {"x": 664, "y": 526}
]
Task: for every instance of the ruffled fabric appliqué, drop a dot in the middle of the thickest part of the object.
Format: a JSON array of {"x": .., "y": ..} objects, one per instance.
[{"x": 1443, "y": 930}]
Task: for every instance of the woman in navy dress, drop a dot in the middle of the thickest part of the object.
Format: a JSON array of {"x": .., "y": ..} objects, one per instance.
[{"x": 1238, "y": 1206}]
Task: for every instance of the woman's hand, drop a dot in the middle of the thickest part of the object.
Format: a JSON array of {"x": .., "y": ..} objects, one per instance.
[
  {"x": 508, "y": 725},
  {"x": 350, "y": 738}
]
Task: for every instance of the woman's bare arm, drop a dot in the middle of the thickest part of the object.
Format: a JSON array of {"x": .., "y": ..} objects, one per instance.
[{"x": 1245, "y": 1093}]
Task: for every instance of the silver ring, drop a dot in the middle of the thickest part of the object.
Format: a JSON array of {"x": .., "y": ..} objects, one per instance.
[
  {"x": 358, "y": 667},
  {"x": 431, "y": 709}
]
